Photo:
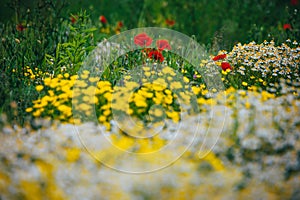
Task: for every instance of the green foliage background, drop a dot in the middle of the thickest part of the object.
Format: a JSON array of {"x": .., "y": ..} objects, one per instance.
[{"x": 227, "y": 22}]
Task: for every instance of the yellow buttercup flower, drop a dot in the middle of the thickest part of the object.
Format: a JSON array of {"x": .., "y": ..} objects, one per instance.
[
  {"x": 39, "y": 88},
  {"x": 37, "y": 113},
  {"x": 168, "y": 100},
  {"x": 60, "y": 76},
  {"x": 74, "y": 77},
  {"x": 147, "y": 74},
  {"x": 102, "y": 118},
  {"x": 158, "y": 87},
  {"x": 85, "y": 72},
  {"x": 204, "y": 92},
  {"x": 140, "y": 103},
  {"x": 108, "y": 96},
  {"x": 51, "y": 93},
  {"x": 127, "y": 77},
  {"x": 168, "y": 70},
  {"x": 93, "y": 79},
  {"x": 175, "y": 85},
  {"x": 186, "y": 79},
  {"x": 80, "y": 83},
  {"x": 196, "y": 90},
  {"x": 84, "y": 107},
  {"x": 106, "y": 112},
  {"x": 160, "y": 81},
  {"x": 29, "y": 109}
]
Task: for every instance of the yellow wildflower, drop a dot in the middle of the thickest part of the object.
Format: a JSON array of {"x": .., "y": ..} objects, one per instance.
[
  {"x": 37, "y": 113},
  {"x": 60, "y": 76},
  {"x": 158, "y": 87},
  {"x": 66, "y": 75},
  {"x": 147, "y": 74},
  {"x": 140, "y": 103},
  {"x": 168, "y": 99},
  {"x": 39, "y": 88},
  {"x": 29, "y": 109},
  {"x": 84, "y": 107},
  {"x": 102, "y": 118},
  {"x": 186, "y": 79},
  {"x": 106, "y": 112},
  {"x": 196, "y": 90},
  {"x": 175, "y": 85}
]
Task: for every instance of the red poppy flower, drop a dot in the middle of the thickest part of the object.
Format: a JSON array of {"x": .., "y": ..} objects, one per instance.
[
  {"x": 170, "y": 22},
  {"x": 20, "y": 27},
  {"x": 157, "y": 55},
  {"x": 287, "y": 26},
  {"x": 142, "y": 40},
  {"x": 102, "y": 19},
  {"x": 163, "y": 44},
  {"x": 120, "y": 24},
  {"x": 294, "y": 2},
  {"x": 219, "y": 57},
  {"x": 73, "y": 19},
  {"x": 225, "y": 65}
]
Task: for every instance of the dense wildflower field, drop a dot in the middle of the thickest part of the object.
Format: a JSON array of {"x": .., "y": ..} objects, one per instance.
[{"x": 152, "y": 116}]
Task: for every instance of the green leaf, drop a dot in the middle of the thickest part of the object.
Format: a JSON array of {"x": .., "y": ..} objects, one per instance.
[{"x": 89, "y": 30}]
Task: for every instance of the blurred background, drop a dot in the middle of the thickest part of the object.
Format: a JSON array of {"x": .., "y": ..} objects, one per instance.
[{"x": 218, "y": 24}]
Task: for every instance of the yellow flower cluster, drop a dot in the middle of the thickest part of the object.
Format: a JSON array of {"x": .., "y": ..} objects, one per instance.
[
  {"x": 152, "y": 100},
  {"x": 57, "y": 98},
  {"x": 160, "y": 94},
  {"x": 144, "y": 97},
  {"x": 56, "y": 94},
  {"x": 34, "y": 74}
]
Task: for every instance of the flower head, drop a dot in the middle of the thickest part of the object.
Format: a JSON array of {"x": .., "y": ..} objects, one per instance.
[
  {"x": 163, "y": 44},
  {"x": 120, "y": 24},
  {"x": 170, "y": 22},
  {"x": 20, "y": 27},
  {"x": 219, "y": 57},
  {"x": 225, "y": 66},
  {"x": 157, "y": 55},
  {"x": 142, "y": 40},
  {"x": 39, "y": 88},
  {"x": 287, "y": 26},
  {"x": 102, "y": 19},
  {"x": 73, "y": 19}
]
